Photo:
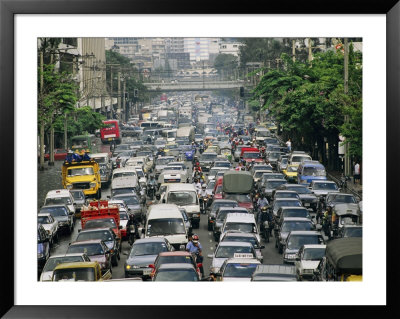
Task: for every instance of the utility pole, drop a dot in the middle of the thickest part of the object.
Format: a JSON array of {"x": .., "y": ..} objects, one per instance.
[
  {"x": 309, "y": 50},
  {"x": 347, "y": 168},
  {"x": 293, "y": 50},
  {"x": 51, "y": 148},
  {"x": 41, "y": 152},
  {"x": 111, "y": 94},
  {"x": 124, "y": 100},
  {"x": 119, "y": 96}
]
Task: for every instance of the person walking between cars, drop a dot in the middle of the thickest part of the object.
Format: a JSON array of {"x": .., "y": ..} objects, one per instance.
[
  {"x": 194, "y": 247},
  {"x": 289, "y": 145}
]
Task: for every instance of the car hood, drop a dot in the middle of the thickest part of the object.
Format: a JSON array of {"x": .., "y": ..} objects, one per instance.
[
  {"x": 141, "y": 260},
  {"x": 307, "y": 197},
  {"x": 47, "y": 226},
  {"x": 283, "y": 236},
  {"x": 217, "y": 262},
  {"x": 61, "y": 218},
  {"x": 309, "y": 264},
  {"x": 134, "y": 207},
  {"x": 160, "y": 167},
  {"x": 99, "y": 258}
]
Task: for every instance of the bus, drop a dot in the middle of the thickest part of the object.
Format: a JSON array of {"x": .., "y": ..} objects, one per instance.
[
  {"x": 111, "y": 132},
  {"x": 85, "y": 142}
]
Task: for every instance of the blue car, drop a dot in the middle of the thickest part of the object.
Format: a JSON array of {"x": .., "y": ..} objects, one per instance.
[{"x": 190, "y": 154}]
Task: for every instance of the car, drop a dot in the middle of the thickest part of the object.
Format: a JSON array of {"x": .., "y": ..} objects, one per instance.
[
  {"x": 307, "y": 261},
  {"x": 106, "y": 166},
  {"x": 206, "y": 160},
  {"x": 176, "y": 272},
  {"x": 298, "y": 238},
  {"x": 322, "y": 188},
  {"x": 58, "y": 197},
  {"x": 244, "y": 237},
  {"x": 96, "y": 250},
  {"x": 59, "y": 154},
  {"x": 291, "y": 173},
  {"x": 50, "y": 225},
  {"x": 174, "y": 257},
  {"x": 220, "y": 216},
  {"x": 43, "y": 247},
  {"x": 282, "y": 163},
  {"x": 161, "y": 163},
  {"x": 133, "y": 202},
  {"x": 213, "y": 172},
  {"x": 270, "y": 185},
  {"x": 222, "y": 163},
  {"x": 238, "y": 269},
  {"x": 284, "y": 194},
  {"x": 80, "y": 271},
  {"x": 280, "y": 202},
  {"x": 79, "y": 200},
  {"x": 350, "y": 231},
  {"x": 289, "y": 224},
  {"x": 55, "y": 260},
  {"x": 62, "y": 215},
  {"x": 287, "y": 211},
  {"x": 274, "y": 273},
  {"x": 216, "y": 204},
  {"x": 309, "y": 200},
  {"x": 187, "y": 220},
  {"x": 332, "y": 199},
  {"x": 257, "y": 174},
  {"x": 143, "y": 253},
  {"x": 210, "y": 187},
  {"x": 244, "y": 222},
  {"x": 107, "y": 236},
  {"x": 228, "y": 249}
]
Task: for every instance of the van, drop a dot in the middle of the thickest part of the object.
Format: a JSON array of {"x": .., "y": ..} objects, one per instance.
[
  {"x": 297, "y": 157},
  {"x": 105, "y": 163},
  {"x": 185, "y": 196},
  {"x": 309, "y": 171},
  {"x": 240, "y": 222},
  {"x": 166, "y": 220}
]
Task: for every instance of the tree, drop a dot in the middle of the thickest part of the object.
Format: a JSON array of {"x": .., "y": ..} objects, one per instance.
[{"x": 226, "y": 64}]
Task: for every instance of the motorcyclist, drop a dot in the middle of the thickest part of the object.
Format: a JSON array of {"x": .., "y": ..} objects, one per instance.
[
  {"x": 265, "y": 216},
  {"x": 160, "y": 152},
  {"x": 195, "y": 248},
  {"x": 203, "y": 194},
  {"x": 262, "y": 201},
  {"x": 132, "y": 236},
  {"x": 151, "y": 182},
  {"x": 327, "y": 221},
  {"x": 197, "y": 185}
]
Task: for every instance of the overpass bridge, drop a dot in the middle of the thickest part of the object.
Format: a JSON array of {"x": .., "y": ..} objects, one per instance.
[{"x": 196, "y": 86}]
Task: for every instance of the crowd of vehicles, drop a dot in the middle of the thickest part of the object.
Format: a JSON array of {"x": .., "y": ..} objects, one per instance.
[{"x": 190, "y": 161}]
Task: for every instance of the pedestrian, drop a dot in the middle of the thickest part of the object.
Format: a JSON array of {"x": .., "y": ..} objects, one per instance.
[
  {"x": 357, "y": 173},
  {"x": 289, "y": 145}
]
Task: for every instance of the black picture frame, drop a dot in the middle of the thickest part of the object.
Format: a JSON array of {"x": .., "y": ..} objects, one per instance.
[{"x": 8, "y": 10}]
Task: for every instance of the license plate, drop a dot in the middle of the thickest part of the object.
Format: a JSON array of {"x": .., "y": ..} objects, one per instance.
[
  {"x": 147, "y": 271},
  {"x": 307, "y": 204},
  {"x": 110, "y": 139}
]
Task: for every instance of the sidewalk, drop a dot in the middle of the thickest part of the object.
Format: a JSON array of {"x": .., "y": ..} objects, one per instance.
[{"x": 354, "y": 188}]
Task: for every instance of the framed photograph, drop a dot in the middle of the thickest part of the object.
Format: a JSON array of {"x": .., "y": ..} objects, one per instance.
[{"x": 89, "y": 27}]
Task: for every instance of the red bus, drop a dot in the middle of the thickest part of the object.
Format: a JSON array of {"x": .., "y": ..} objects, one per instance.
[{"x": 111, "y": 132}]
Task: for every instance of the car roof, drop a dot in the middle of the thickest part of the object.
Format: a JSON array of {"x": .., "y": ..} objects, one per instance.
[
  {"x": 286, "y": 199},
  {"x": 237, "y": 234},
  {"x": 55, "y": 205},
  {"x": 297, "y": 219},
  {"x": 313, "y": 246},
  {"x": 80, "y": 264},
  {"x": 243, "y": 261},
  {"x": 180, "y": 187},
  {"x": 95, "y": 229},
  {"x": 235, "y": 243},
  {"x": 224, "y": 201},
  {"x": 91, "y": 241},
  {"x": 44, "y": 214},
  {"x": 66, "y": 255},
  {"x": 99, "y": 155},
  {"x": 242, "y": 217},
  {"x": 305, "y": 232},
  {"x": 293, "y": 207},
  {"x": 58, "y": 193},
  {"x": 150, "y": 240},
  {"x": 174, "y": 253},
  {"x": 285, "y": 191},
  {"x": 221, "y": 209},
  {"x": 276, "y": 269},
  {"x": 322, "y": 181}
]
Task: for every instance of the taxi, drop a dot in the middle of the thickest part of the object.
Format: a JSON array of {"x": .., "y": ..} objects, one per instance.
[{"x": 290, "y": 173}]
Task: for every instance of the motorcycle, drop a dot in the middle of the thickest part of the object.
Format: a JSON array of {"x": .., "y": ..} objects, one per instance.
[
  {"x": 132, "y": 234},
  {"x": 204, "y": 200},
  {"x": 343, "y": 182},
  {"x": 151, "y": 190},
  {"x": 201, "y": 149}
]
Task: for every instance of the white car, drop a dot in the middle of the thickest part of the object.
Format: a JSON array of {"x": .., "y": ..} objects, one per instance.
[
  {"x": 60, "y": 197},
  {"x": 53, "y": 261},
  {"x": 308, "y": 259},
  {"x": 50, "y": 225}
]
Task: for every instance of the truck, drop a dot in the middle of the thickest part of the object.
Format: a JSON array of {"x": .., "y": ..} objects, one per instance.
[
  {"x": 84, "y": 175},
  {"x": 250, "y": 153},
  {"x": 110, "y": 133},
  {"x": 238, "y": 185},
  {"x": 186, "y": 132},
  {"x": 80, "y": 271},
  {"x": 100, "y": 214},
  {"x": 84, "y": 142}
]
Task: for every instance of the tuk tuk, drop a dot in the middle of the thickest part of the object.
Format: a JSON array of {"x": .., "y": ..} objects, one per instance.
[
  {"x": 345, "y": 214},
  {"x": 227, "y": 153},
  {"x": 342, "y": 261}
]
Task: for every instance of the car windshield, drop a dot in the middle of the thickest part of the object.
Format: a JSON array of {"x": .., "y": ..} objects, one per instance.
[
  {"x": 211, "y": 185},
  {"x": 123, "y": 216},
  {"x": 176, "y": 275},
  {"x": 286, "y": 195},
  {"x": 100, "y": 223},
  {"x": 239, "y": 270},
  {"x": 173, "y": 260},
  {"x": 263, "y": 133},
  {"x": 296, "y": 241},
  {"x": 52, "y": 262},
  {"x": 163, "y": 161},
  {"x": 243, "y": 227},
  {"x": 76, "y": 274},
  {"x": 129, "y": 199},
  {"x": 251, "y": 155},
  {"x": 153, "y": 248},
  {"x": 182, "y": 198},
  {"x": 274, "y": 184},
  {"x": 80, "y": 171},
  {"x": 262, "y": 167},
  {"x": 165, "y": 226},
  {"x": 58, "y": 201},
  {"x": 223, "y": 164},
  {"x": 217, "y": 205},
  {"x": 341, "y": 198},
  {"x": 349, "y": 220},
  {"x": 288, "y": 226},
  {"x": 252, "y": 240},
  {"x": 300, "y": 190},
  {"x": 54, "y": 211},
  {"x": 44, "y": 220},
  {"x": 123, "y": 174},
  {"x": 281, "y": 203},
  {"x": 295, "y": 213},
  {"x": 88, "y": 249},
  {"x": 100, "y": 160},
  {"x": 208, "y": 157},
  {"x": 240, "y": 198},
  {"x": 104, "y": 235},
  {"x": 353, "y": 232},
  {"x": 325, "y": 186},
  {"x": 291, "y": 169},
  {"x": 299, "y": 159},
  {"x": 78, "y": 195},
  {"x": 314, "y": 171},
  {"x": 284, "y": 161},
  {"x": 274, "y": 155},
  {"x": 313, "y": 253},
  {"x": 118, "y": 191},
  {"x": 140, "y": 173},
  {"x": 230, "y": 251}
]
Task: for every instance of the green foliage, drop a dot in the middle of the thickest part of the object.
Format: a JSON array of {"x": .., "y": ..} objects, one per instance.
[
  {"x": 309, "y": 102},
  {"x": 225, "y": 62}
]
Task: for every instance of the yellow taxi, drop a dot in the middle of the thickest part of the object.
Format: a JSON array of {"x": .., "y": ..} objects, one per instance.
[{"x": 291, "y": 173}]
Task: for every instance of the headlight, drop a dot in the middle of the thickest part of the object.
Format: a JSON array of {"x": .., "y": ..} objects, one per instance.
[
  {"x": 69, "y": 186},
  {"x": 93, "y": 184},
  {"x": 128, "y": 267}
]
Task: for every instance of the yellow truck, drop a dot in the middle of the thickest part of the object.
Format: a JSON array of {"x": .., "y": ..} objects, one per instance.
[
  {"x": 80, "y": 271},
  {"x": 84, "y": 175}
]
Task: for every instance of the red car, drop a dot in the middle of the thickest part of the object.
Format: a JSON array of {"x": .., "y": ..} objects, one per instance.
[
  {"x": 59, "y": 155},
  {"x": 218, "y": 189}
]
